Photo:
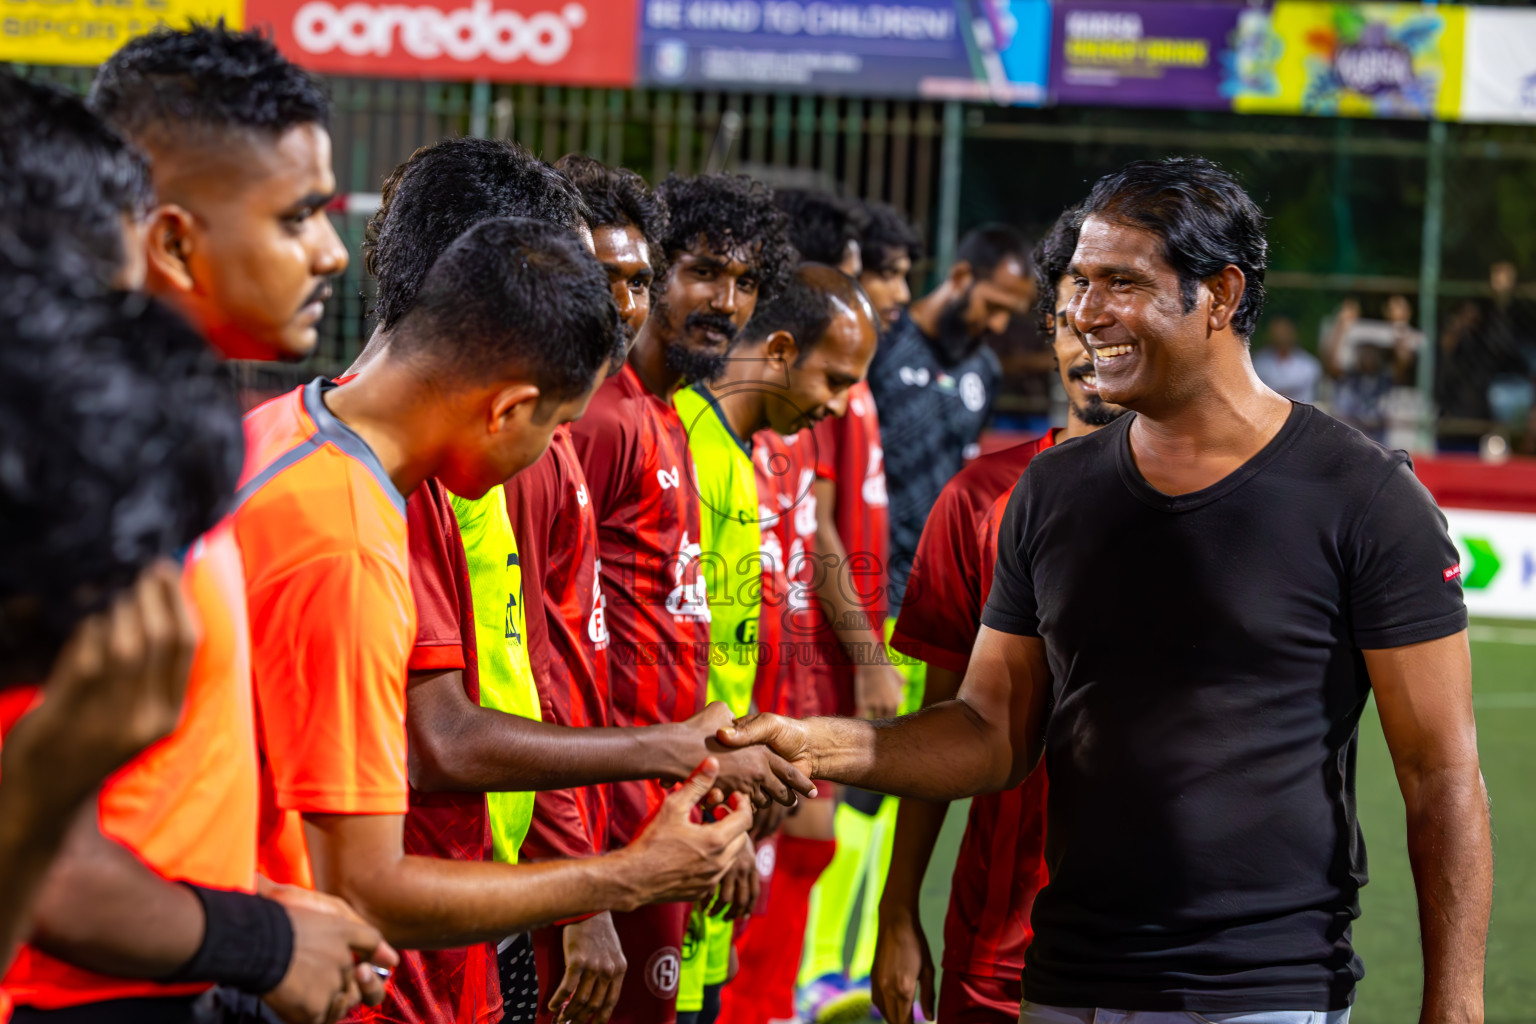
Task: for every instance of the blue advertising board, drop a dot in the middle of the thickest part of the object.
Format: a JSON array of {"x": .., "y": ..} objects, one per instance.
[{"x": 960, "y": 49}]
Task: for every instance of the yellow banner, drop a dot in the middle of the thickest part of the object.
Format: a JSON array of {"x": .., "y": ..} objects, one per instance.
[{"x": 87, "y": 32}]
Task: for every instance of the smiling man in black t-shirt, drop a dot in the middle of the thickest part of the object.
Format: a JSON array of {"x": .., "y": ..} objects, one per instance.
[{"x": 1189, "y": 612}]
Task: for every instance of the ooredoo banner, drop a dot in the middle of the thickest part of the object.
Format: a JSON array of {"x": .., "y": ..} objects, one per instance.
[
  {"x": 575, "y": 42},
  {"x": 1129, "y": 54},
  {"x": 87, "y": 32},
  {"x": 1498, "y": 79},
  {"x": 1355, "y": 60}
]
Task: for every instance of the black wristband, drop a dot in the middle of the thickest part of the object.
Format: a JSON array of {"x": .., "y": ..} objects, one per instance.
[{"x": 247, "y": 942}]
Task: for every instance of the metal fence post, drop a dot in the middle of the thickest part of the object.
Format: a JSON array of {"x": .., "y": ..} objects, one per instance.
[
  {"x": 949, "y": 188},
  {"x": 480, "y": 108},
  {"x": 1429, "y": 280}
]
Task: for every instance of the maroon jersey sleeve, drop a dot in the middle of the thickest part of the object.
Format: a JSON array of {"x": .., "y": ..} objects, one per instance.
[
  {"x": 828, "y": 440},
  {"x": 559, "y": 826},
  {"x": 438, "y": 569},
  {"x": 607, "y": 441},
  {"x": 942, "y": 608}
]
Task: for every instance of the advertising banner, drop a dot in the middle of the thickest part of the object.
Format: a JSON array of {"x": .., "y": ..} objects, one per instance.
[
  {"x": 1498, "y": 79},
  {"x": 573, "y": 42},
  {"x": 87, "y": 32},
  {"x": 1498, "y": 561},
  {"x": 1124, "y": 53},
  {"x": 1353, "y": 60},
  {"x": 959, "y": 49}
]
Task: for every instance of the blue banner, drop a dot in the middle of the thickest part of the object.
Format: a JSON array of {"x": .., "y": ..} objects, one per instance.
[{"x": 954, "y": 49}]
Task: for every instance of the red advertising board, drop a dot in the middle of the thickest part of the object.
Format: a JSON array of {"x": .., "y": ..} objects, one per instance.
[{"x": 575, "y": 42}]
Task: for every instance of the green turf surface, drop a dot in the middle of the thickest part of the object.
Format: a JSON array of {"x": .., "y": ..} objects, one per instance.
[{"x": 1387, "y": 935}]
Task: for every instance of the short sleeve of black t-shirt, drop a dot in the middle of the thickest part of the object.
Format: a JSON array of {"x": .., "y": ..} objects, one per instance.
[{"x": 1207, "y": 686}]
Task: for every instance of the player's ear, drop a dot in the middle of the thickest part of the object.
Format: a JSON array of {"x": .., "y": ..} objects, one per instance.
[
  {"x": 961, "y": 275},
  {"x": 1226, "y": 287},
  {"x": 781, "y": 348},
  {"x": 169, "y": 242},
  {"x": 513, "y": 406}
]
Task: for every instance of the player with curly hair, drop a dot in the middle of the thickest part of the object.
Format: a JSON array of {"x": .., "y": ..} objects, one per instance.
[{"x": 724, "y": 246}]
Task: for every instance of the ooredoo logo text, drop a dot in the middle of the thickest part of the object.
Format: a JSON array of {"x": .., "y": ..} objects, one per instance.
[{"x": 470, "y": 33}]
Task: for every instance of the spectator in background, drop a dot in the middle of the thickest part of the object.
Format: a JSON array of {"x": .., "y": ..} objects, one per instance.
[
  {"x": 1482, "y": 343},
  {"x": 1367, "y": 359},
  {"x": 1292, "y": 371}
]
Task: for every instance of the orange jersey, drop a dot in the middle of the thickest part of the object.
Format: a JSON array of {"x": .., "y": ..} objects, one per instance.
[
  {"x": 322, "y": 529},
  {"x": 188, "y": 805}
]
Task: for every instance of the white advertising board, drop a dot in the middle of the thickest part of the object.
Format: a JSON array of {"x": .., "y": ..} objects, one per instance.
[{"x": 1498, "y": 561}]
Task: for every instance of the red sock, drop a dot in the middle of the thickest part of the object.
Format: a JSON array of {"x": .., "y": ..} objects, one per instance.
[{"x": 769, "y": 949}]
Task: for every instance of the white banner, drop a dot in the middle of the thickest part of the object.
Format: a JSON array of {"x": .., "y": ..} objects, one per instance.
[
  {"x": 1498, "y": 561},
  {"x": 1498, "y": 68}
]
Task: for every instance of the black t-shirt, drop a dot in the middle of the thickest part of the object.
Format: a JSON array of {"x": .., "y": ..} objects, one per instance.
[{"x": 1201, "y": 834}]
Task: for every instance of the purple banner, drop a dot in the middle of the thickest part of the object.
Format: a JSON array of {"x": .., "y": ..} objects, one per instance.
[{"x": 1149, "y": 54}]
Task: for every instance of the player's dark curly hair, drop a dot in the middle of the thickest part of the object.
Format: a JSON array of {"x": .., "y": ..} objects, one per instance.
[
  {"x": 120, "y": 442},
  {"x": 208, "y": 77},
  {"x": 442, "y": 191},
  {"x": 728, "y": 213},
  {"x": 65, "y": 174},
  {"x": 820, "y": 224},
  {"x": 515, "y": 292},
  {"x": 616, "y": 196},
  {"x": 1052, "y": 257},
  {"x": 1204, "y": 218},
  {"x": 885, "y": 236}
]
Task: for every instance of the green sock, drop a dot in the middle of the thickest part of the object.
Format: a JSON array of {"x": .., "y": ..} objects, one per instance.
[
  {"x": 826, "y": 924},
  {"x": 877, "y": 866}
]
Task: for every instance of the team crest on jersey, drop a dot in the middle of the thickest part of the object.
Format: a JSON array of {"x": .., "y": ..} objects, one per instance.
[
  {"x": 973, "y": 392},
  {"x": 662, "y": 972},
  {"x": 689, "y": 597}
]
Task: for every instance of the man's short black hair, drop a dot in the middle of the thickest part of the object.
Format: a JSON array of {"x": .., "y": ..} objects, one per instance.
[
  {"x": 65, "y": 175},
  {"x": 512, "y": 292},
  {"x": 616, "y": 196},
  {"x": 206, "y": 78},
  {"x": 120, "y": 442},
  {"x": 885, "y": 236},
  {"x": 805, "y": 307},
  {"x": 728, "y": 213},
  {"x": 1052, "y": 257},
  {"x": 987, "y": 247},
  {"x": 820, "y": 224},
  {"x": 442, "y": 191},
  {"x": 1204, "y": 218}
]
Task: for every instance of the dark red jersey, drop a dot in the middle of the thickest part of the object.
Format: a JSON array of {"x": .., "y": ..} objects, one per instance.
[
  {"x": 640, "y": 479},
  {"x": 442, "y": 986},
  {"x": 793, "y": 627},
  {"x": 551, "y": 512},
  {"x": 848, "y": 453},
  {"x": 987, "y": 927}
]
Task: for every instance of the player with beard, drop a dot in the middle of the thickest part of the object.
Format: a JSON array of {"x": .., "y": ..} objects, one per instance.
[
  {"x": 724, "y": 248},
  {"x": 474, "y": 698},
  {"x": 1001, "y": 864},
  {"x": 208, "y": 104}
]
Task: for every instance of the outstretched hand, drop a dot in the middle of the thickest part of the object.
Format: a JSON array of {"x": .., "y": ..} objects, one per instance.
[
  {"x": 684, "y": 861},
  {"x": 756, "y": 772},
  {"x": 786, "y": 737}
]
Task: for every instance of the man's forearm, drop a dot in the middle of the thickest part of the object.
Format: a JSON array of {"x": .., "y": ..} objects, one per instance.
[
  {"x": 428, "y": 903},
  {"x": 103, "y": 909},
  {"x": 940, "y": 753},
  {"x": 1451, "y": 851},
  {"x": 30, "y": 838},
  {"x": 918, "y": 824},
  {"x": 482, "y": 750}
]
